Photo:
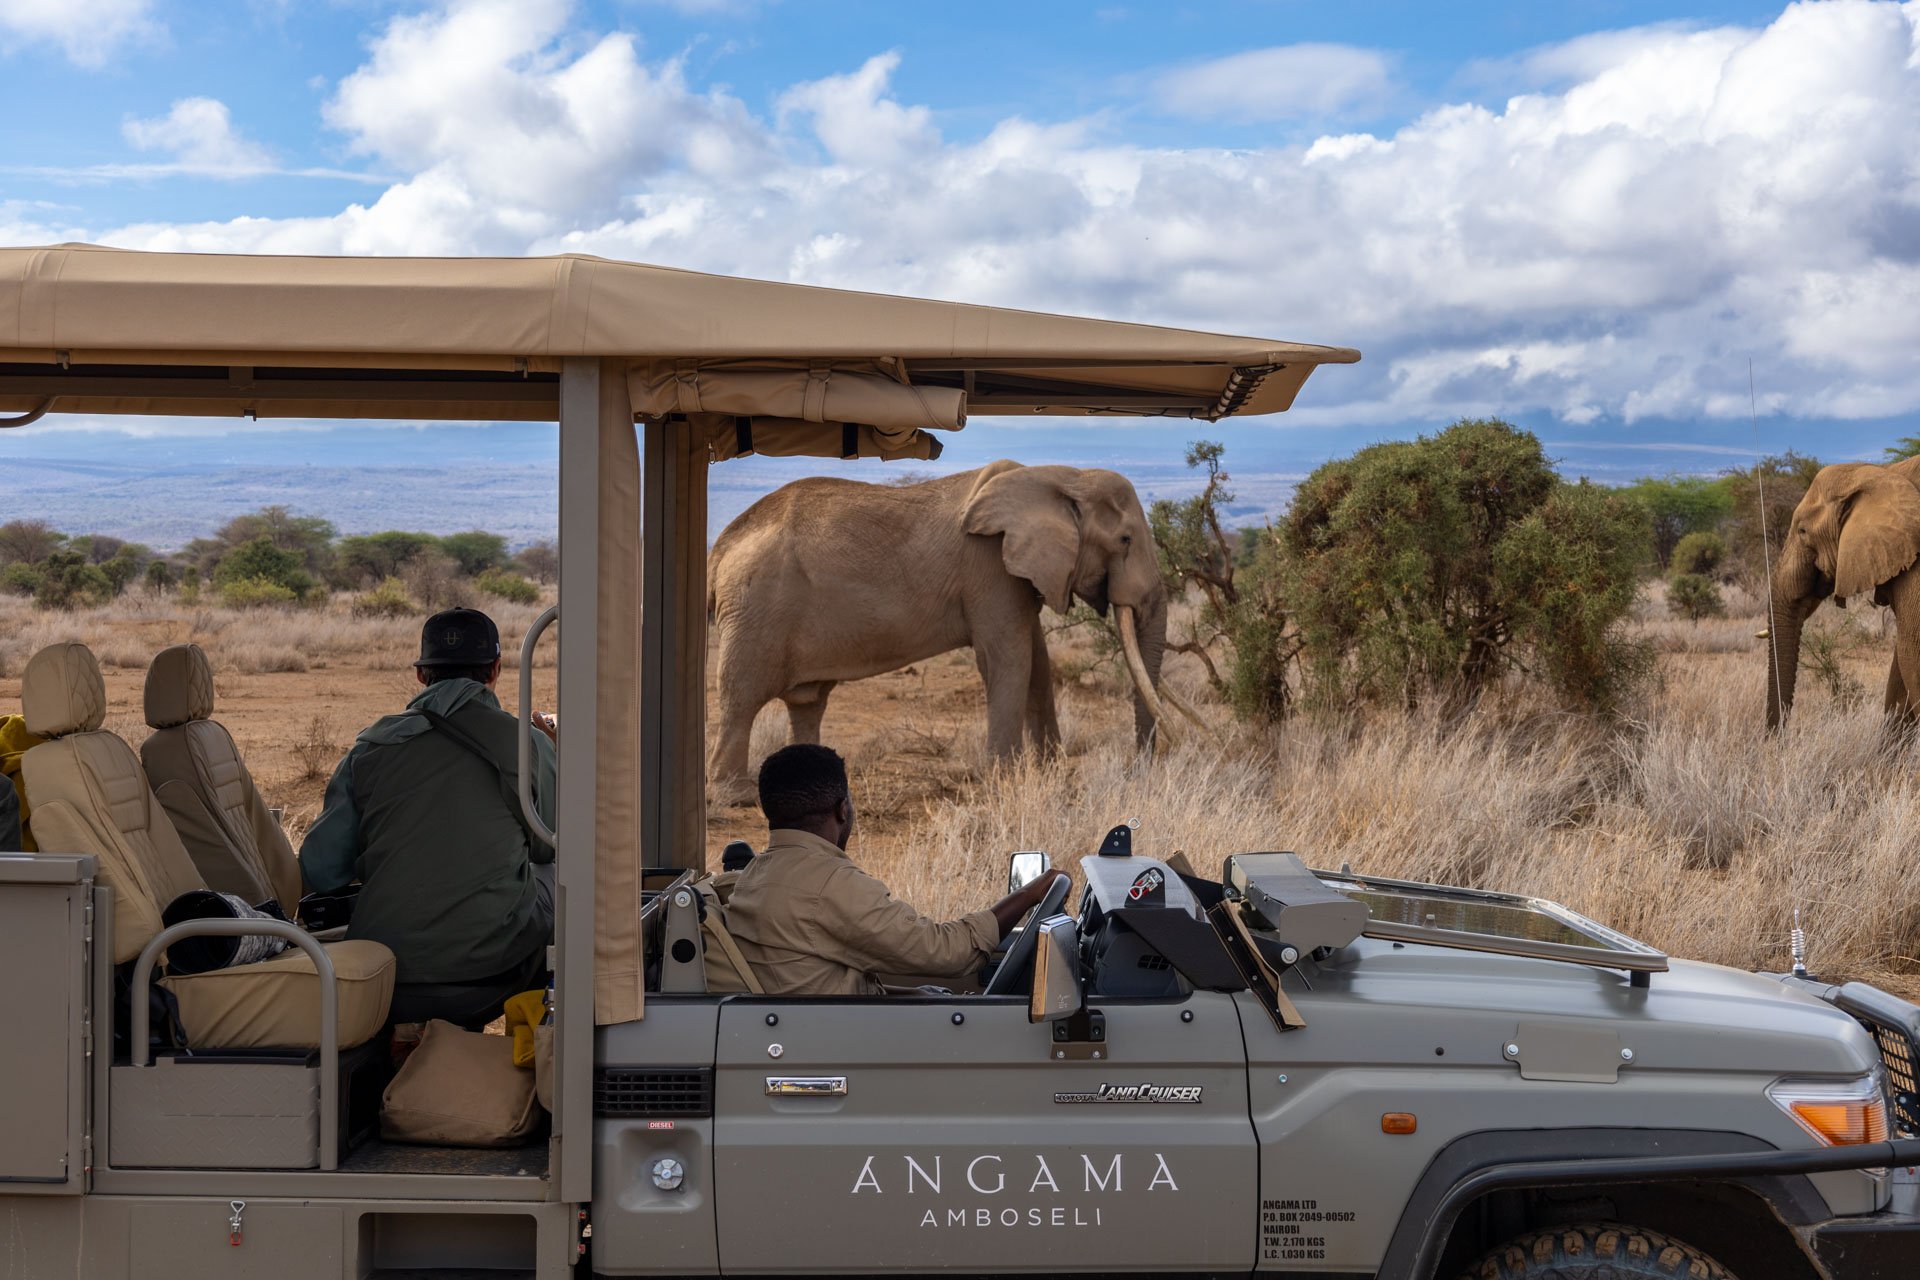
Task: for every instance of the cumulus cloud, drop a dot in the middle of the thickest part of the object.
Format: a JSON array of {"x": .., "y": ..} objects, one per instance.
[
  {"x": 1281, "y": 83},
  {"x": 1609, "y": 249},
  {"x": 87, "y": 31},
  {"x": 199, "y": 135}
]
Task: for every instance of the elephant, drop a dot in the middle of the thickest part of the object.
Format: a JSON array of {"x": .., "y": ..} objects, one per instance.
[
  {"x": 1855, "y": 533},
  {"x": 826, "y": 580}
]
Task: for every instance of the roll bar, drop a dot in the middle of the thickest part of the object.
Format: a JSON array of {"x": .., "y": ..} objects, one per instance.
[
  {"x": 524, "y": 739},
  {"x": 329, "y": 1006}
]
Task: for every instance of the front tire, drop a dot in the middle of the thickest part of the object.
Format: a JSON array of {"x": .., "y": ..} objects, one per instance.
[{"x": 1596, "y": 1251}]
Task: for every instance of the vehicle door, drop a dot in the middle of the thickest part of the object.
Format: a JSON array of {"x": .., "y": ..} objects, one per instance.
[{"x": 912, "y": 1133}]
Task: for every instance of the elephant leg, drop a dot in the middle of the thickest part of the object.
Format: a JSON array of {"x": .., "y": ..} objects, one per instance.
[
  {"x": 805, "y": 707},
  {"x": 1006, "y": 666},
  {"x": 741, "y": 697},
  {"x": 1903, "y": 680},
  {"x": 1043, "y": 725}
]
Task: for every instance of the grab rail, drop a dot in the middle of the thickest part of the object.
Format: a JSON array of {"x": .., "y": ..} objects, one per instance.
[
  {"x": 329, "y": 1006},
  {"x": 525, "y": 737}
]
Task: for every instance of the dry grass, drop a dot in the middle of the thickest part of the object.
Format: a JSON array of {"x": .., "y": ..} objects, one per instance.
[
  {"x": 1686, "y": 825},
  {"x": 128, "y": 632}
]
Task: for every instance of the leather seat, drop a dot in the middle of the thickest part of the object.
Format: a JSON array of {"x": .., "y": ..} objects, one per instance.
[
  {"x": 199, "y": 779},
  {"x": 90, "y": 795}
]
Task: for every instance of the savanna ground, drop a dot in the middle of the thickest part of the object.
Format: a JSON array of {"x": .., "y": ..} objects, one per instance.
[{"x": 1683, "y": 823}]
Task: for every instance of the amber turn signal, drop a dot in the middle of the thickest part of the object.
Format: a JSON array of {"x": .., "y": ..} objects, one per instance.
[
  {"x": 1398, "y": 1122},
  {"x": 1839, "y": 1114}
]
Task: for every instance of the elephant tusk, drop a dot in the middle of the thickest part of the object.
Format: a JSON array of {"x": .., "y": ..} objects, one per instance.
[
  {"x": 1137, "y": 668},
  {"x": 1180, "y": 704}
]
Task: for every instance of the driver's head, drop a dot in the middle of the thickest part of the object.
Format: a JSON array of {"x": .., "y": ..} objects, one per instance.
[{"x": 804, "y": 788}]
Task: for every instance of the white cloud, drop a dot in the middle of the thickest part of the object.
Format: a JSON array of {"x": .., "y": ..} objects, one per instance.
[
  {"x": 199, "y": 134},
  {"x": 89, "y": 32},
  {"x": 1611, "y": 249},
  {"x": 1282, "y": 83}
]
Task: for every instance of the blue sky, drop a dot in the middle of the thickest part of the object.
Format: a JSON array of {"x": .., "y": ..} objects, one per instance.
[{"x": 1586, "y": 217}]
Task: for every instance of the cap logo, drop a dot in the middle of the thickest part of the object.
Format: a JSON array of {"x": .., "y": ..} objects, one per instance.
[{"x": 451, "y": 639}]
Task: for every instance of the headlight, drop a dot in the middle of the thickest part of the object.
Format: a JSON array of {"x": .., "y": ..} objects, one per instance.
[{"x": 1840, "y": 1113}]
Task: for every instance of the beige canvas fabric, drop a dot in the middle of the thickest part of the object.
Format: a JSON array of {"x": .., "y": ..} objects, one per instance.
[
  {"x": 619, "y": 969},
  {"x": 460, "y": 1089},
  {"x": 197, "y": 775},
  {"x": 724, "y": 439},
  {"x": 817, "y": 394},
  {"x": 92, "y": 305},
  {"x": 276, "y": 1004},
  {"x": 92, "y": 796}
]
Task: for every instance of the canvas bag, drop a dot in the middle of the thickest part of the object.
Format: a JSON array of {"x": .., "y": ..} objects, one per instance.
[{"x": 460, "y": 1088}]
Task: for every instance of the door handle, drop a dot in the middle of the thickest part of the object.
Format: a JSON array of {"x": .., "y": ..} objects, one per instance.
[{"x": 806, "y": 1086}]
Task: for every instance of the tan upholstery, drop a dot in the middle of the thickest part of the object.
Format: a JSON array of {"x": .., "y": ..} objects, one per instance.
[
  {"x": 197, "y": 773},
  {"x": 90, "y": 796},
  {"x": 276, "y": 1003}
]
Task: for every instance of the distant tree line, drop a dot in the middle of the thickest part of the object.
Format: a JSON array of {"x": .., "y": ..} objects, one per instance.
[
  {"x": 274, "y": 557},
  {"x": 1425, "y": 570}
]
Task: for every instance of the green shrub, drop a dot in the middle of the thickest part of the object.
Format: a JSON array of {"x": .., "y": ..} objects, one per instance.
[
  {"x": 190, "y": 585},
  {"x": 67, "y": 581},
  {"x": 1694, "y": 596},
  {"x": 1702, "y": 554},
  {"x": 159, "y": 576},
  {"x": 255, "y": 593},
  {"x": 507, "y": 586},
  {"x": 1434, "y": 566},
  {"x": 388, "y": 600},
  {"x": 374, "y": 557},
  {"x": 476, "y": 550},
  {"x": 260, "y": 561},
  {"x": 19, "y": 580}
]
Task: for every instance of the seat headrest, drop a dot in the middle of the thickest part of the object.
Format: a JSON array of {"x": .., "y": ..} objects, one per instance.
[
  {"x": 179, "y": 687},
  {"x": 62, "y": 692}
]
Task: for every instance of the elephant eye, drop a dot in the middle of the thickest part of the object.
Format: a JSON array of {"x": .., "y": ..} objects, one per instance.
[{"x": 1126, "y": 539}]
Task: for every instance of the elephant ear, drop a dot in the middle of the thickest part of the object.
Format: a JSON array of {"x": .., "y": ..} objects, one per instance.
[
  {"x": 1880, "y": 536},
  {"x": 1038, "y": 523}
]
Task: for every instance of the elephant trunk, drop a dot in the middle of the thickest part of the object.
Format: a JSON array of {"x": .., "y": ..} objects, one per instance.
[
  {"x": 1144, "y": 643},
  {"x": 1787, "y": 615}
]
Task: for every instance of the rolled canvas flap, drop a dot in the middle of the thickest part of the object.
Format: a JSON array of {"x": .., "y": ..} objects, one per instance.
[
  {"x": 728, "y": 437},
  {"x": 817, "y": 394}
]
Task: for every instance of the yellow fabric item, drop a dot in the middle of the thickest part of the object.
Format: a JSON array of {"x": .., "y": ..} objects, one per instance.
[
  {"x": 15, "y": 742},
  {"x": 524, "y": 1013},
  {"x": 276, "y": 1004}
]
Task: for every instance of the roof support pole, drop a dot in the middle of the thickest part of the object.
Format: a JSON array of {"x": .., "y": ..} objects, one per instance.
[
  {"x": 673, "y": 647},
  {"x": 596, "y": 951}
]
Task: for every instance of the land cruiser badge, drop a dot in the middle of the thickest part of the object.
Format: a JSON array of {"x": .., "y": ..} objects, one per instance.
[{"x": 1135, "y": 1093}]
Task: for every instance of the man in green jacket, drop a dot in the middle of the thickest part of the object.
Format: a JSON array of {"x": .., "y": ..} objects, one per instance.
[{"x": 422, "y": 812}]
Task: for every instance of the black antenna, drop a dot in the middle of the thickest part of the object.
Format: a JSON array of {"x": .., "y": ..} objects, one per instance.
[{"x": 1779, "y": 690}]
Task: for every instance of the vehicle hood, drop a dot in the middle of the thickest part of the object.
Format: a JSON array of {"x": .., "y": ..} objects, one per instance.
[{"x": 1694, "y": 1017}]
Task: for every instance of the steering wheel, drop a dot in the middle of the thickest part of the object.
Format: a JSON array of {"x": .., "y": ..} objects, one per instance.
[{"x": 1018, "y": 963}]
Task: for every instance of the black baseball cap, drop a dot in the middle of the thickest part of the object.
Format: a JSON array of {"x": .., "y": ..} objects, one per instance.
[{"x": 459, "y": 638}]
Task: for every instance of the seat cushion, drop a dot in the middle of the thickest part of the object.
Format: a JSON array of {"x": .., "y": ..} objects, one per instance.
[
  {"x": 220, "y": 816},
  {"x": 276, "y": 1004}
]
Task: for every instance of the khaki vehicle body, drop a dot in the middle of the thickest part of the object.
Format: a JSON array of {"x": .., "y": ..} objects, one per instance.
[{"x": 1198, "y": 1078}]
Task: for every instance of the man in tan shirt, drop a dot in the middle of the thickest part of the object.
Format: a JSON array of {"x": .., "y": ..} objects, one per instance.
[{"x": 813, "y": 924}]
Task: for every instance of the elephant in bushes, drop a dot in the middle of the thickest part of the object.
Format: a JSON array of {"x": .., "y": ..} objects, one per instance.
[
  {"x": 825, "y": 580},
  {"x": 1856, "y": 533}
]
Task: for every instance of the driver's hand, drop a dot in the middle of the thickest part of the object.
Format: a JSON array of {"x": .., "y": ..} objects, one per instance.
[{"x": 1036, "y": 888}]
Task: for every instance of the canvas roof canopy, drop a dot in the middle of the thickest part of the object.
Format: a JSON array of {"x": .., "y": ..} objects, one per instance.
[{"x": 709, "y": 367}]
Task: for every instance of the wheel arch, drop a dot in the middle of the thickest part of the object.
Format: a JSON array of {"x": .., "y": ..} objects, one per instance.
[{"x": 1744, "y": 1219}]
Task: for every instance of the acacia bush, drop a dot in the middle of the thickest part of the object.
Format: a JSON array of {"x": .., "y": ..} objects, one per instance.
[
  {"x": 1429, "y": 568},
  {"x": 1704, "y": 554},
  {"x": 244, "y": 571},
  {"x": 255, "y": 593},
  {"x": 388, "y": 600},
  {"x": 1694, "y": 596},
  {"x": 67, "y": 581},
  {"x": 506, "y": 585}
]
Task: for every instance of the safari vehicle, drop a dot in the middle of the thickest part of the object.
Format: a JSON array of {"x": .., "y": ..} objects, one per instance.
[{"x": 1283, "y": 1071}]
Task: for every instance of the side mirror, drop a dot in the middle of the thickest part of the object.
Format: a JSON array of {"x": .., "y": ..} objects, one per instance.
[
  {"x": 1024, "y": 868},
  {"x": 1057, "y": 992}
]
